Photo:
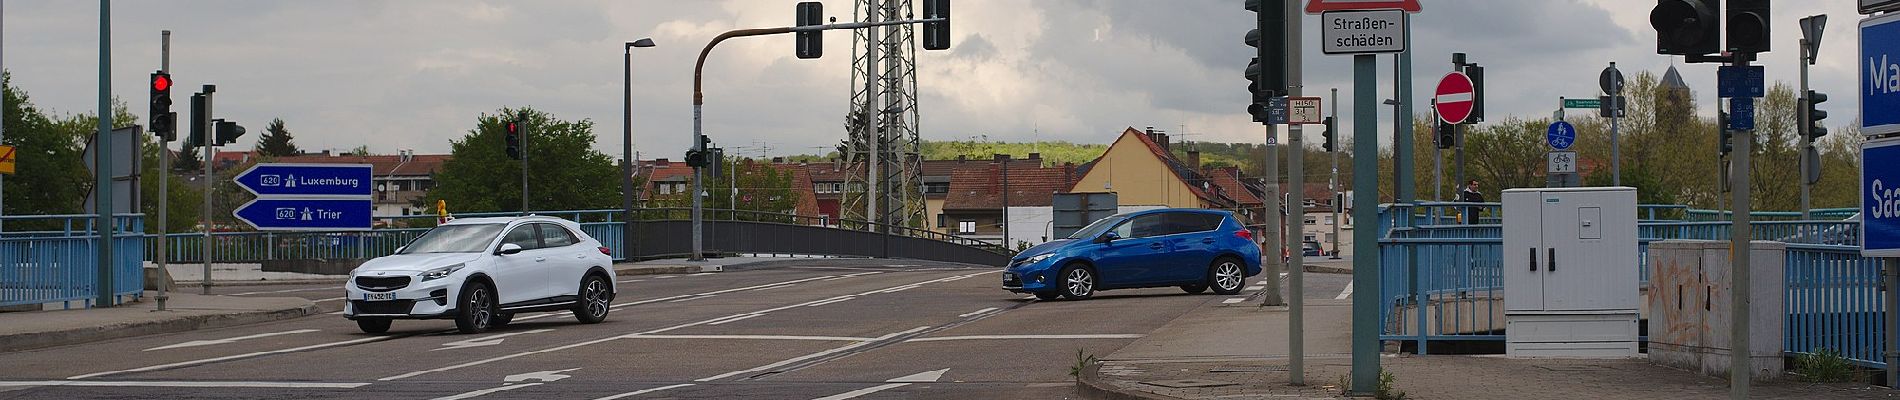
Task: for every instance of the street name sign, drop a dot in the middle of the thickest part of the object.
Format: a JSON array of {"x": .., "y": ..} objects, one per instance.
[
  {"x": 1320, "y": 6},
  {"x": 1454, "y": 98},
  {"x": 1363, "y": 32},
  {"x": 1561, "y": 135},
  {"x": 1880, "y": 75},
  {"x": 291, "y": 214},
  {"x": 1583, "y": 103},
  {"x": 307, "y": 179},
  {"x": 1880, "y": 198},
  {"x": 1304, "y": 111}
]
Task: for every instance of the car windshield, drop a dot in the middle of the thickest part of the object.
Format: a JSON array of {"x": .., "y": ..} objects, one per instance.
[
  {"x": 469, "y": 238},
  {"x": 1096, "y": 229}
]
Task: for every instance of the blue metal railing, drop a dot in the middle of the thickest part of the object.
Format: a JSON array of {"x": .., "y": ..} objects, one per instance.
[
  {"x": 56, "y": 259},
  {"x": 1455, "y": 293},
  {"x": 1832, "y": 300}
]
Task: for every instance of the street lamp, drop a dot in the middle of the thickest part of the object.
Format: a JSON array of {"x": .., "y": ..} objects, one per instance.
[{"x": 626, "y": 148}]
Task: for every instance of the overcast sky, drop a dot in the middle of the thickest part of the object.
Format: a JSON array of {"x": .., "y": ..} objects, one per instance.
[{"x": 415, "y": 74}]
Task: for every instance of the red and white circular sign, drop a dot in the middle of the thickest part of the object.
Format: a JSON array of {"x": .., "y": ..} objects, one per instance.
[{"x": 1454, "y": 98}]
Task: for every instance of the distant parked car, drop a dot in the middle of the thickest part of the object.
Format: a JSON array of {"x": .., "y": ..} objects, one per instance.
[
  {"x": 1194, "y": 249},
  {"x": 1311, "y": 249},
  {"x": 481, "y": 271}
]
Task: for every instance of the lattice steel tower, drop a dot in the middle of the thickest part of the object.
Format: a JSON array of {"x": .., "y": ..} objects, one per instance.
[{"x": 883, "y": 150}]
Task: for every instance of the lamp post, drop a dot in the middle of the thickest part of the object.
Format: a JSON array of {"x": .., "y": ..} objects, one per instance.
[{"x": 626, "y": 148}]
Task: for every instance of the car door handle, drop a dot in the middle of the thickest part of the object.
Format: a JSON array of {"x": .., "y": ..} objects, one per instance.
[
  {"x": 540, "y": 259},
  {"x": 1156, "y": 245},
  {"x": 1207, "y": 240}
]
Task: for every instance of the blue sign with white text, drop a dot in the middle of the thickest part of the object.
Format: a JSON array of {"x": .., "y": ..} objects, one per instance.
[
  {"x": 1880, "y": 75},
  {"x": 307, "y": 179},
  {"x": 1880, "y": 198},
  {"x": 1733, "y": 81},
  {"x": 1561, "y": 135},
  {"x": 306, "y": 214},
  {"x": 1741, "y": 114}
]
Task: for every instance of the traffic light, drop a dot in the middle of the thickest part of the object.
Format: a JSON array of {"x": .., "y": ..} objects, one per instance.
[
  {"x": 512, "y": 135},
  {"x": 1331, "y": 128},
  {"x": 1727, "y": 138},
  {"x": 1748, "y": 26},
  {"x": 1687, "y": 27},
  {"x": 198, "y": 121},
  {"x": 937, "y": 34},
  {"x": 164, "y": 122},
  {"x": 1476, "y": 73},
  {"x": 811, "y": 44},
  {"x": 1267, "y": 72},
  {"x": 1812, "y": 127},
  {"x": 228, "y": 132},
  {"x": 1446, "y": 134}
]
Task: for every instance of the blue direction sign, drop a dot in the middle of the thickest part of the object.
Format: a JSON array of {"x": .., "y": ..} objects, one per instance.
[
  {"x": 1880, "y": 75},
  {"x": 1880, "y": 198},
  {"x": 307, "y": 179},
  {"x": 1732, "y": 81},
  {"x": 1561, "y": 135},
  {"x": 289, "y": 214},
  {"x": 1276, "y": 111}
]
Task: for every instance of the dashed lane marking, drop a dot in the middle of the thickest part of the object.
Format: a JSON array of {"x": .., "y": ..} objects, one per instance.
[
  {"x": 968, "y": 314},
  {"x": 644, "y": 391},
  {"x": 1233, "y": 300},
  {"x": 1016, "y": 337},
  {"x": 1344, "y": 293}
]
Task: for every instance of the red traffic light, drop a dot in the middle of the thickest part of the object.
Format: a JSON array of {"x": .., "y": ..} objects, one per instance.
[{"x": 161, "y": 83}]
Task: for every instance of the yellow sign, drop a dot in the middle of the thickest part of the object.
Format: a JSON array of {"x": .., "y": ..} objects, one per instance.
[{"x": 6, "y": 160}]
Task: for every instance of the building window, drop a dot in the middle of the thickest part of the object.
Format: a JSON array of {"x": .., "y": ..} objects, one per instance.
[
  {"x": 937, "y": 187},
  {"x": 666, "y": 189},
  {"x": 966, "y": 226},
  {"x": 942, "y": 222}
]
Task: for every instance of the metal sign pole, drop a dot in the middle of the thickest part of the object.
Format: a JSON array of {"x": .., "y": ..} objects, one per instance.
[
  {"x": 1365, "y": 264},
  {"x": 164, "y": 170},
  {"x": 1296, "y": 221},
  {"x": 206, "y": 139},
  {"x": 102, "y": 188}
]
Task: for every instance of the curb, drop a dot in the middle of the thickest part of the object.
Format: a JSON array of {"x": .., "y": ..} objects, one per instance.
[
  {"x": 40, "y": 340},
  {"x": 1089, "y": 384},
  {"x": 1328, "y": 270},
  {"x": 666, "y": 270},
  {"x": 327, "y": 281}
]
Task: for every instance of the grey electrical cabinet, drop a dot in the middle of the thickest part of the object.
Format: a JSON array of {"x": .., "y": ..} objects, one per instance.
[{"x": 1570, "y": 271}]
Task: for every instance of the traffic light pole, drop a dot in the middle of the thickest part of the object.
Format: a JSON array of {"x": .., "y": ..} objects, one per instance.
[
  {"x": 1741, "y": 366},
  {"x": 1807, "y": 141},
  {"x": 699, "y": 101},
  {"x": 102, "y": 185},
  {"x": 1333, "y": 185},
  {"x": 207, "y": 140},
  {"x": 524, "y": 160},
  {"x": 1365, "y": 259},
  {"x": 1296, "y": 221},
  {"x": 164, "y": 171}
]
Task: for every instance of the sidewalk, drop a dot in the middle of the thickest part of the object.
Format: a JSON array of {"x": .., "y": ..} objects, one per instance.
[
  {"x": 1239, "y": 352},
  {"x": 183, "y": 312}
]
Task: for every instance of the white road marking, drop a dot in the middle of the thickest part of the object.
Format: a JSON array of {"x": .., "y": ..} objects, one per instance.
[
  {"x": 691, "y": 298},
  {"x": 702, "y": 273},
  {"x": 1343, "y": 294},
  {"x": 683, "y": 296},
  {"x": 235, "y": 357},
  {"x": 741, "y": 318},
  {"x": 1233, "y": 300},
  {"x": 329, "y": 299},
  {"x": 968, "y": 314},
  {"x": 838, "y": 299},
  {"x": 809, "y": 356},
  {"x": 855, "y": 275},
  {"x": 285, "y": 291},
  {"x": 645, "y": 391},
  {"x": 544, "y": 376},
  {"x": 660, "y": 330},
  {"x": 489, "y": 340},
  {"x": 1257, "y": 287},
  {"x": 633, "y": 280},
  {"x": 190, "y": 384},
  {"x": 667, "y": 277},
  {"x": 772, "y": 287},
  {"x": 196, "y": 343},
  {"x": 757, "y": 337},
  {"x": 921, "y": 377},
  {"x": 1016, "y": 337},
  {"x": 479, "y": 393}
]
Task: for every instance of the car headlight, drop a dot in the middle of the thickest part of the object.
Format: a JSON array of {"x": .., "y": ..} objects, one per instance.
[
  {"x": 1038, "y": 258},
  {"x": 440, "y": 273}
]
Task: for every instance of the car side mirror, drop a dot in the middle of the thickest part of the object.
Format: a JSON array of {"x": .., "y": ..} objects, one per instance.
[
  {"x": 509, "y": 248},
  {"x": 1107, "y": 237}
]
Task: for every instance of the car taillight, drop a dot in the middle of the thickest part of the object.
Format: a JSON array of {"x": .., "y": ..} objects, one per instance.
[
  {"x": 1244, "y": 234},
  {"x": 606, "y": 251}
]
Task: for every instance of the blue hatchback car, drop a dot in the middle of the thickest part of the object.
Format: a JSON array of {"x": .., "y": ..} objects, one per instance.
[{"x": 1195, "y": 249}]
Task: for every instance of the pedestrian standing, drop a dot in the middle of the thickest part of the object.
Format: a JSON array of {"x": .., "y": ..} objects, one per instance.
[{"x": 1471, "y": 195}]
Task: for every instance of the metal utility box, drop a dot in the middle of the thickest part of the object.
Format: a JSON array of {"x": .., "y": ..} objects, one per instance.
[{"x": 1570, "y": 272}]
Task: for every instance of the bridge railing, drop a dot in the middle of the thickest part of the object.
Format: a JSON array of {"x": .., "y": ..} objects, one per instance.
[
  {"x": 54, "y": 258},
  {"x": 1833, "y": 301}
]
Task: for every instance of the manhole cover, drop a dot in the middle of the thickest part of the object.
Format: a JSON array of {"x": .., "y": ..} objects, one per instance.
[{"x": 1189, "y": 383}]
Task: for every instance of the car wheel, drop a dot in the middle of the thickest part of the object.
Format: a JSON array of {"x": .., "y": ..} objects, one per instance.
[
  {"x": 1194, "y": 289},
  {"x": 501, "y": 320},
  {"x": 475, "y": 308},
  {"x": 595, "y": 298},
  {"x": 1226, "y": 276},
  {"x": 1047, "y": 296},
  {"x": 373, "y": 325},
  {"x": 1078, "y": 282}
]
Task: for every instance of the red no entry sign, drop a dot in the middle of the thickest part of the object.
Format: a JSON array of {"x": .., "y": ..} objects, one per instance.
[{"x": 1454, "y": 98}]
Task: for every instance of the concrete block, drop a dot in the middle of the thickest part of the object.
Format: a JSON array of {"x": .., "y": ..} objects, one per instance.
[{"x": 1690, "y": 299}]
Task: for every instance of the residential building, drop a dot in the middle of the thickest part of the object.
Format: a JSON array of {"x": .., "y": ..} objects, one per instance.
[
  {"x": 975, "y": 204},
  {"x": 1140, "y": 170},
  {"x": 399, "y": 181}
]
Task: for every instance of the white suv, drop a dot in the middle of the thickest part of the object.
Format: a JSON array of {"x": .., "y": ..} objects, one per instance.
[{"x": 481, "y": 271}]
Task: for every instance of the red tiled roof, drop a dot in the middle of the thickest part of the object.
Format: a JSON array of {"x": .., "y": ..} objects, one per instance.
[
  {"x": 1229, "y": 180},
  {"x": 982, "y": 188}
]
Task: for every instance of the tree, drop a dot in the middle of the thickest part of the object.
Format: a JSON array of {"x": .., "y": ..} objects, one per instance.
[
  {"x": 276, "y": 141},
  {"x": 188, "y": 160},
  {"x": 49, "y": 177},
  {"x": 564, "y": 170}
]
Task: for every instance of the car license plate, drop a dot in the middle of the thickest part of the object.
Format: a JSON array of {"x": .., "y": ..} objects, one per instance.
[{"x": 379, "y": 296}]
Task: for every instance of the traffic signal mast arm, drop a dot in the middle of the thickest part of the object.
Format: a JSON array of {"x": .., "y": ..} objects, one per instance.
[{"x": 699, "y": 66}]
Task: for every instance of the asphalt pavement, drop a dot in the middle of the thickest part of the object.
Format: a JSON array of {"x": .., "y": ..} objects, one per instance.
[{"x": 819, "y": 328}]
